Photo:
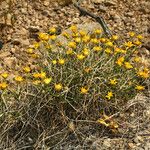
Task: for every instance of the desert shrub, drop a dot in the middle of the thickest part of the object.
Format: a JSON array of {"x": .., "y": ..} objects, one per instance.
[{"x": 78, "y": 75}]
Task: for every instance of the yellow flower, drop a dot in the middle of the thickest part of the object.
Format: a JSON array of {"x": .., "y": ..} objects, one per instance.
[
  {"x": 77, "y": 40},
  {"x": 73, "y": 28},
  {"x": 86, "y": 39},
  {"x": 139, "y": 87},
  {"x": 27, "y": 69},
  {"x": 34, "y": 55},
  {"x": 69, "y": 52},
  {"x": 103, "y": 40},
  {"x": 115, "y": 37},
  {"x": 47, "y": 80},
  {"x": 101, "y": 121},
  {"x": 36, "y": 82},
  {"x": 54, "y": 62},
  {"x": 75, "y": 35},
  {"x": 52, "y": 37},
  {"x": 140, "y": 37},
  {"x": 36, "y": 75},
  {"x": 131, "y": 34},
  {"x": 30, "y": 50},
  {"x": 86, "y": 51},
  {"x": 143, "y": 74},
  {"x": 58, "y": 87},
  {"x": 113, "y": 81},
  {"x": 4, "y": 75},
  {"x": 80, "y": 56},
  {"x": 82, "y": 33},
  {"x": 42, "y": 75},
  {"x": 52, "y": 30},
  {"x": 3, "y": 85},
  {"x": 98, "y": 31},
  {"x": 109, "y": 44},
  {"x": 97, "y": 48},
  {"x": 43, "y": 36},
  {"x": 36, "y": 45},
  {"x": 128, "y": 44},
  {"x": 109, "y": 95},
  {"x": 19, "y": 78},
  {"x": 95, "y": 41},
  {"x": 137, "y": 59},
  {"x": 72, "y": 45},
  {"x": 65, "y": 34},
  {"x": 61, "y": 61},
  {"x": 108, "y": 50},
  {"x": 137, "y": 42},
  {"x": 87, "y": 70},
  {"x": 117, "y": 50},
  {"x": 128, "y": 65},
  {"x": 120, "y": 61},
  {"x": 84, "y": 90}
]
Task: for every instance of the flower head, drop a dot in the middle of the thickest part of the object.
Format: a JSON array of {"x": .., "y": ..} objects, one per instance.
[
  {"x": 131, "y": 34},
  {"x": 43, "y": 36},
  {"x": 140, "y": 37},
  {"x": 61, "y": 61},
  {"x": 58, "y": 87},
  {"x": 139, "y": 87},
  {"x": 120, "y": 61},
  {"x": 72, "y": 45},
  {"x": 108, "y": 51},
  {"x": 52, "y": 30},
  {"x": 86, "y": 52},
  {"x": 83, "y": 90},
  {"x": 54, "y": 62},
  {"x": 115, "y": 37},
  {"x": 86, "y": 39},
  {"x": 128, "y": 44},
  {"x": 69, "y": 52},
  {"x": 128, "y": 65},
  {"x": 97, "y": 48},
  {"x": 47, "y": 80},
  {"x": 19, "y": 78},
  {"x": 98, "y": 31},
  {"x": 80, "y": 56},
  {"x": 4, "y": 75},
  {"x": 27, "y": 69},
  {"x": 3, "y": 85},
  {"x": 109, "y": 95},
  {"x": 113, "y": 81}
]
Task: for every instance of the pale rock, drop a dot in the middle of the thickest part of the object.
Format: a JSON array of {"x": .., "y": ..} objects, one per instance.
[
  {"x": 25, "y": 42},
  {"x": 4, "y": 54},
  {"x": 107, "y": 143},
  {"x": 46, "y": 3},
  {"x": 10, "y": 62},
  {"x": 9, "y": 19}
]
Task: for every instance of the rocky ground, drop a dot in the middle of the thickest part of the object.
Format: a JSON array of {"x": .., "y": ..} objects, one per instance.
[{"x": 21, "y": 20}]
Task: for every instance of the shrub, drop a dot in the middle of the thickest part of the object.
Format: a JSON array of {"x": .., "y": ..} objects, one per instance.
[{"x": 88, "y": 74}]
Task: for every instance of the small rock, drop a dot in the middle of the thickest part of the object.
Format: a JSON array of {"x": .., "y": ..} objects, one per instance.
[
  {"x": 25, "y": 42},
  {"x": 15, "y": 42},
  {"x": 45, "y": 13},
  {"x": 46, "y": 3},
  {"x": 110, "y": 3},
  {"x": 131, "y": 145},
  {"x": 9, "y": 20},
  {"x": 4, "y": 54},
  {"x": 102, "y": 8},
  {"x": 10, "y": 62},
  {"x": 33, "y": 29},
  {"x": 97, "y": 1},
  {"x": 107, "y": 143}
]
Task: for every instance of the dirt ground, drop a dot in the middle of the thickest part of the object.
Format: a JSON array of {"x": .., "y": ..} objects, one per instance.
[{"x": 21, "y": 20}]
